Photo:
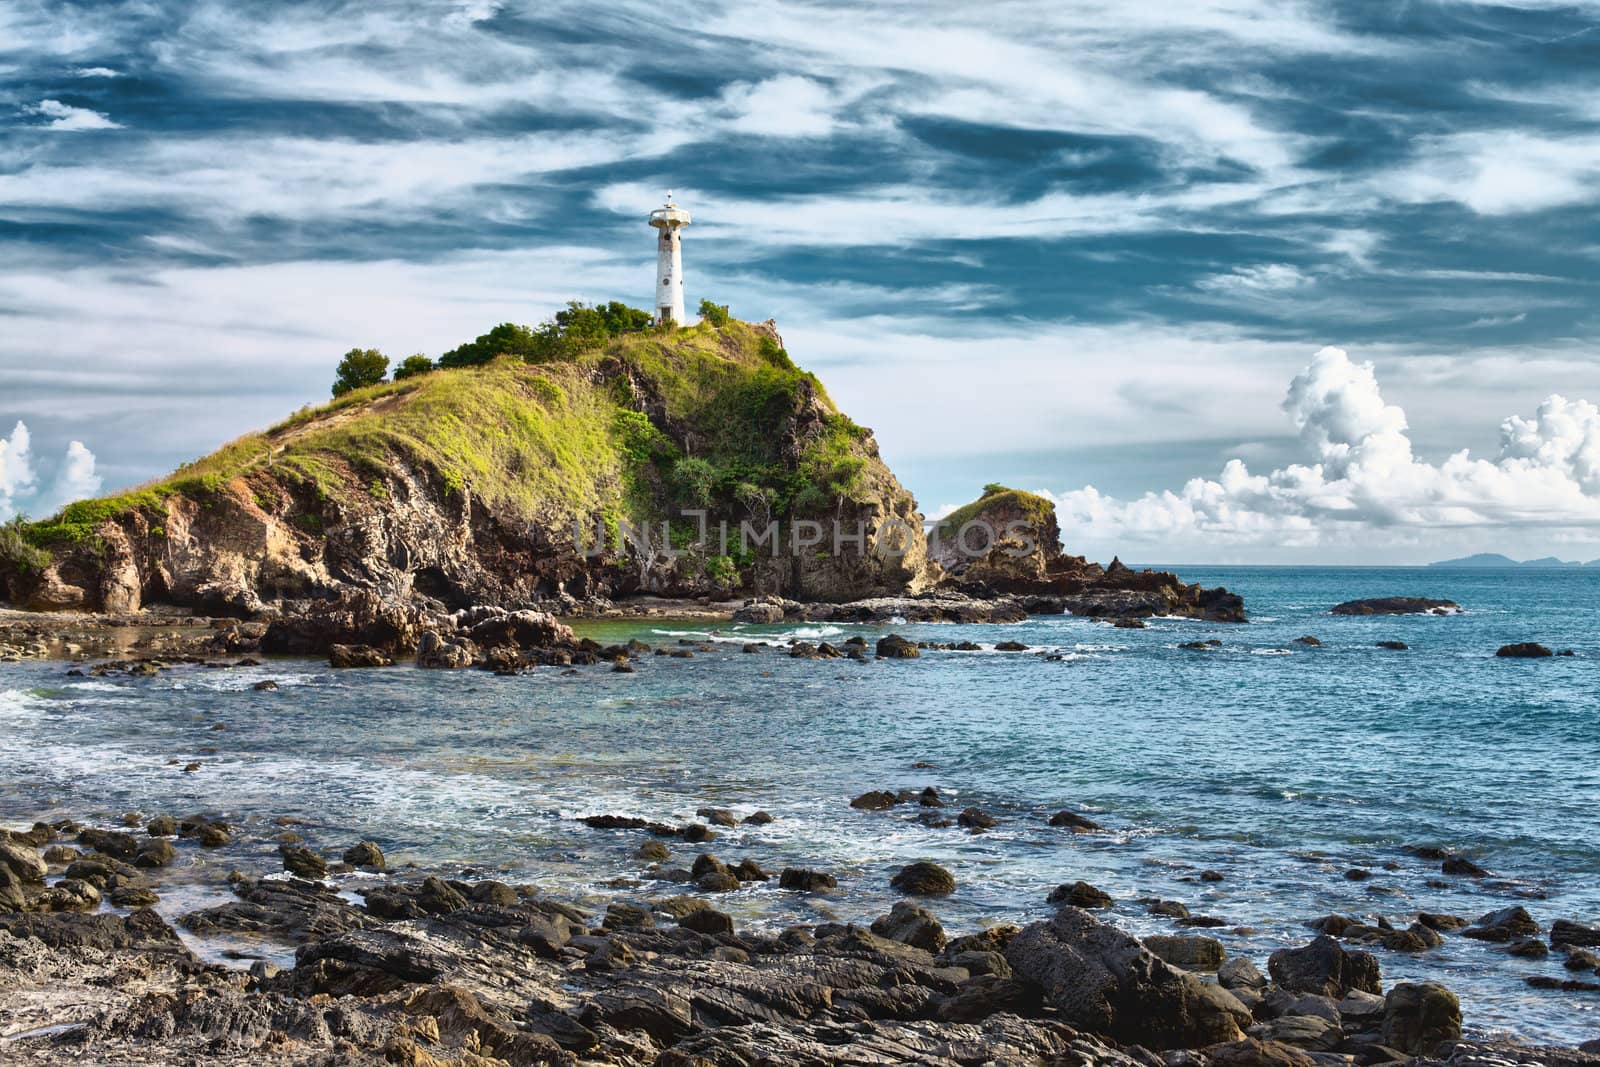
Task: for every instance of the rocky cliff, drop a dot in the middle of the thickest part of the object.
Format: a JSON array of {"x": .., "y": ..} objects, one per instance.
[
  {"x": 469, "y": 487},
  {"x": 1008, "y": 542}
]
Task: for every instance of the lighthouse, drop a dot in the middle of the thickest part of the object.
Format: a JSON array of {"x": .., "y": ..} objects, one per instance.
[{"x": 668, "y": 219}]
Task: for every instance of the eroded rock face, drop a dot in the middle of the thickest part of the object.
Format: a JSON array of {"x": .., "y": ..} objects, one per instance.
[
  {"x": 1324, "y": 968},
  {"x": 1102, "y": 980},
  {"x": 1419, "y": 1017}
]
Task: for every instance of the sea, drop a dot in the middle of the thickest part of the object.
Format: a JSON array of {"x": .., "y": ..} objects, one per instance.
[{"x": 1280, "y": 766}]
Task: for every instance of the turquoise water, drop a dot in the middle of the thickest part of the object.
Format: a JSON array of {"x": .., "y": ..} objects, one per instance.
[{"x": 1278, "y": 765}]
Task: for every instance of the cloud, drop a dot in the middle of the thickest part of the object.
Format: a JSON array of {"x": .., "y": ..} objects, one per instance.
[
  {"x": 19, "y": 479},
  {"x": 66, "y": 117},
  {"x": 1263, "y": 277},
  {"x": 1365, "y": 477},
  {"x": 785, "y": 106},
  {"x": 1502, "y": 172},
  {"x": 96, "y": 72}
]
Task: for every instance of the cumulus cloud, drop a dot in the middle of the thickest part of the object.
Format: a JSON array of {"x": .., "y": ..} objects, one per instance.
[
  {"x": 19, "y": 479},
  {"x": 1366, "y": 478},
  {"x": 66, "y": 117}
]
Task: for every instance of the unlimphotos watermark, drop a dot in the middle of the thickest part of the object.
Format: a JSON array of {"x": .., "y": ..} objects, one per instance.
[{"x": 890, "y": 538}]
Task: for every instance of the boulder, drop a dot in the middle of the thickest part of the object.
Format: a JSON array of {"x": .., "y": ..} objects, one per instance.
[
  {"x": 24, "y": 865},
  {"x": 805, "y": 880},
  {"x": 1192, "y": 953},
  {"x": 437, "y": 652},
  {"x": 1418, "y": 1017},
  {"x": 365, "y": 854},
  {"x": 896, "y": 647},
  {"x": 1252, "y": 1052},
  {"x": 707, "y": 921},
  {"x": 1323, "y": 967},
  {"x": 1080, "y": 895},
  {"x": 351, "y": 656},
  {"x": 1507, "y": 924},
  {"x": 976, "y": 819},
  {"x": 924, "y": 880},
  {"x": 911, "y": 924},
  {"x": 1100, "y": 979},
  {"x": 1396, "y": 605},
  {"x": 302, "y": 862},
  {"x": 875, "y": 800},
  {"x": 1567, "y": 932},
  {"x": 1460, "y": 865},
  {"x": 1074, "y": 822},
  {"x": 1240, "y": 973},
  {"x": 1523, "y": 650}
]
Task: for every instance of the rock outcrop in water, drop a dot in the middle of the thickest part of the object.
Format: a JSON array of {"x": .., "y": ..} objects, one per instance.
[{"x": 1396, "y": 605}]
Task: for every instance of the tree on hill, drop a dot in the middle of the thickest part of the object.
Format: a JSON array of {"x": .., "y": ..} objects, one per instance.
[
  {"x": 412, "y": 366},
  {"x": 573, "y": 330},
  {"x": 715, "y": 314},
  {"x": 360, "y": 367}
]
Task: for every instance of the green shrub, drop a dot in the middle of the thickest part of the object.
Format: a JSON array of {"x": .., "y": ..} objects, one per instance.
[
  {"x": 17, "y": 553},
  {"x": 412, "y": 366},
  {"x": 359, "y": 368},
  {"x": 696, "y": 481},
  {"x": 715, "y": 314}
]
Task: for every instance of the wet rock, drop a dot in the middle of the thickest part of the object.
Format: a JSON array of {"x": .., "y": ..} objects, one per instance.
[
  {"x": 156, "y": 852},
  {"x": 977, "y": 819},
  {"x": 707, "y": 921},
  {"x": 1394, "y": 646},
  {"x": 805, "y": 880},
  {"x": 22, "y": 864},
  {"x": 365, "y": 854},
  {"x": 1010, "y": 646},
  {"x": 1507, "y": 924},
  {"x": 1313, "y": 1033},
  {"x": 629, "y": 822},
  {"x": 1419, "y": 1017},
  {"x": 697, "y": 832},
  {"x": 1567, "y": 932},
  {"x": 911, "y": 924},
  {"x": 758, "y": 818},
  {"x": 929, "y": 798},
  {"x": 875, "y": 800},
  {"x": 653, "y": 851},
  {"x": 213, "y": 835},
  {"x": 624, "y": 916},
  {"x": 1240, "y": 973},
  {"x": 60, "y": 855},
  {"x": 748, "y": 870},
  {"x": 266, "y": 686},
  {"x": 896, "y": 647},
  {"x": 438, "y": 652},
  {"x": 1395, "y": 605},
  {"x": 1308, "y": 640},
  {"x": 110, "y": 843},
  {"x": 1580, "y": 959},
  {"x": 718, "y": 816},
  {"x": 1460, "y": 865},
  {"x": 1323, "y": 967},
  {"x": 1078, "y": 824},
  {"x": 717, "y": 882},
  {"x": 1171, "y": 909},
  {"x": 162, "y": 826},
  {"x": 1102, "y": 980},
  {"x": 1528, "y": 949},
  {"x": 287, "y": 909},
  {"x": 1524, "y": 650},
  {"x": 546, "y": 935},
  {"x": 302, "y": 862},
  {"x": 924, "y": 880},
  {"x": 1211, "y": 876},
  {"x": 347, "y": 657},
  {"x": 1253, "y": 1052},
  {"x": 1191, "y": 953},
  {"x": 1436, "y": 921},
  {"x": 1080, "y": 895}
]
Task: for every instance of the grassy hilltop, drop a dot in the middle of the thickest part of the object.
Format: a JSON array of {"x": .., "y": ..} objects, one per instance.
[{"x": 499, "y": 460}]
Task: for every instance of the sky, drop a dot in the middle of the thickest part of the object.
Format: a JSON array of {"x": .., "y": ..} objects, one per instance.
[{"x": 1231, "y": 280}]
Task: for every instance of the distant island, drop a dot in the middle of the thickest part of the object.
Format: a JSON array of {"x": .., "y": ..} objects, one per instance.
[{"x": 1495, "y": 559}]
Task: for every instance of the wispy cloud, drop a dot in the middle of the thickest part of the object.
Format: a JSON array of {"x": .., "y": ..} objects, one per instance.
[{"x": 66, "y": 117}]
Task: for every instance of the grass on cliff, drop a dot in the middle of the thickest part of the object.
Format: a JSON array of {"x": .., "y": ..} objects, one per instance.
[
  {"x": 1036, "y": 509},
  {"x": 551, "y": 442}
]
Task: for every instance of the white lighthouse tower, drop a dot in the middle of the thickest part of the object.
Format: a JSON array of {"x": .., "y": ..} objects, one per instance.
[{"x": 669, "y": 219}]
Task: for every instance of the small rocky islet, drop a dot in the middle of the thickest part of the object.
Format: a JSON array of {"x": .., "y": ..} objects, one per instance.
[{"x": 400, "y": 964}]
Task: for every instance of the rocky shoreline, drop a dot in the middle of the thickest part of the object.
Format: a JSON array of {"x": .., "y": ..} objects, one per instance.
[{"x": 449, "y": 966}]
